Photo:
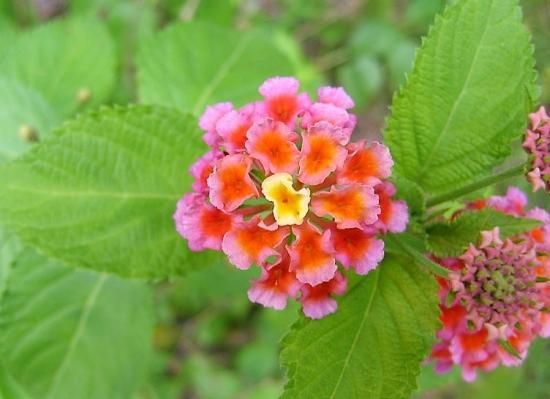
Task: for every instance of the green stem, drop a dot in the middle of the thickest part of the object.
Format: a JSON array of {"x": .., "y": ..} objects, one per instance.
[
  {"x": 419, "y": 257},
  {"x": 475, "y": 186}
]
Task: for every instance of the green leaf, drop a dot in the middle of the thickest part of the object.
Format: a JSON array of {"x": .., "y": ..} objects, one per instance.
[
  {"x": 412, "y": 193},
  {"x": 414, "y": 248},
  {"x": 7, "y": 33},
  {"x": 420, "y": 13},
  {"x": 9, "y": 388},
  {"x": 373, "y": 345},
  {"x": 74, "y": 334},
  {"x": 400, "y": 62},
  {"x": 310, "y": 78},
  {"x": 232, "y": 66},
  {"x": 452, "y": 238},
  {"x": 362, "y": 78},
  {"x": 467, "y": 97},
  {"x": 430, "y": 380},
  {"x": 22, "y": 108},
  {"x": 374, "y": 38},
  {"x": 10, "y": 247},
  {"x": 63, "y": 60},
  {"x": 101, "y": 191}
]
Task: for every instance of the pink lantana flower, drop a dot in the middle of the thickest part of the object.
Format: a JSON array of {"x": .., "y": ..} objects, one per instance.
[
  {"x": 285, "y": 190},
  {"x": 497, "y": 298},
  {"x": 537, "y": 145}
]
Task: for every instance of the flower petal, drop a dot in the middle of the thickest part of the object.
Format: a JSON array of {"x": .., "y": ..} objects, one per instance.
[
  {"x": 201, "y": 224},
  {"x": 317, "y": 301},
  {"x": 351, "y": 206},
  {"x": 230, "y": 184},
  {"x": 311, "y": 255},
  {"x": 394, "y": 215},
  {"x": 366, "y": 164},
  {"x": 282, "y": 101},
  {"x": 321, "y": 154},
  {"x": 276, "y": 284},
  {"x": 513, "y": 202},
  {"x": 208, "y": 120},
  {"x": 290, "y": 205},
  {"x": 336, "y": 96},
  {"x": 232, "y": 127},
  {"x": 272, "y": 143},
  {"x": 202, "y": 168},
  {"x": 247, "y": 243},
  {"x": 357, "y": 249},
  {"x": 324, "y": 112}
]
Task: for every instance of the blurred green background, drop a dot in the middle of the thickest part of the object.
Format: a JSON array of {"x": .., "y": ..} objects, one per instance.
[{"x": 211, "y": 343}]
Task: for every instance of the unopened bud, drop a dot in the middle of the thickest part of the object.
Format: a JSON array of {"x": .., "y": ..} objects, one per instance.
[
  {"x": 83, "y": 95},
  {"x": 28, "y": 134}
]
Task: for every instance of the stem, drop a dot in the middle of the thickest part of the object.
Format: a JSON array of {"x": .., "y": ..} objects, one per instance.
[
  {"x": 419, "y": 257},
  {"x": 470, "y": 188}
]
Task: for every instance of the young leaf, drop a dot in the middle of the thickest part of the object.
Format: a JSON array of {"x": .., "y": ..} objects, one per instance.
[
  {"x": 452, "y": 239},
  {"x": 71, "y": 63},
  {"x": 101, "y": 191},
  {"x": 373, "y": 346},
  {"x": 22, "y": 111},
  {"x": 74, "y": 334},
  {"x": 232, "y": 66},
  {"x": 467, "y": 97}
]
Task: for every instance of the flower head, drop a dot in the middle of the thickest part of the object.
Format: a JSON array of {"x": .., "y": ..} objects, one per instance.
[
  {"x": 496, "y": 300},
  {"x": 537, "y": 145},
  {"x": 283, "y": 188}
]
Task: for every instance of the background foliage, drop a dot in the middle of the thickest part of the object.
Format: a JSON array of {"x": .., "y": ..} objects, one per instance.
[{"x": 198, "y": 336}]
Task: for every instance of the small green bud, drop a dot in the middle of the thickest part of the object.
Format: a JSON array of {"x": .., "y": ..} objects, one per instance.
[
  {"x": 83, "y": 95},
  {"x": 28, "y": 134}
]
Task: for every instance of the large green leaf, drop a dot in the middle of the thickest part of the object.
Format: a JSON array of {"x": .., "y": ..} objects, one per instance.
[
  {"x": 62, "y": 60},
  {"x": 22, "y": 108},
  {"x": 74, "y": 334},
  {"x": 10, "y": 247},
  {"x": 100, "y": 191},
  {"x": 191, "y": 65},
  {"x": 372, "y": 347},
  {"x": 452, "y": 239},
  {"x": 7, "y": 33},
  {"x": 467, "y": 97},
  {"x": 9, "y": 387}
]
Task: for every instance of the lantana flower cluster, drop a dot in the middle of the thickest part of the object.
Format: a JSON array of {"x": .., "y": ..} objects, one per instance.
[
  {"x": 497, "y": 299},
  {"x": 537, "y": 145},
  {"x": 284, "y": 188}
]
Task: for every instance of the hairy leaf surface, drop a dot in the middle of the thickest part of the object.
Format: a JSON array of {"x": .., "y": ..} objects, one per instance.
[
  {"x": 467, "y": 97},
  {"x": 101, "y": 191},
  {"x": 373, "y": 345}
]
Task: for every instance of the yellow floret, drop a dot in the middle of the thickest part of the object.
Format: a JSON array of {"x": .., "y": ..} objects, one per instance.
[{"x": 290, "y": 206}]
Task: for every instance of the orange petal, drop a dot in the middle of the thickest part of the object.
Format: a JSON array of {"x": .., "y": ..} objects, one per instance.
[
  {"x": 272, "y": 143},
  {"x": 366, "y": 164},
  {"x": 351, "y": 206},
  {"x": 230, "y": 184},
  {"x": 248, "y": 243},
  {"x": 311, "y": 255},
  {"x": 321, "y": 154}
]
